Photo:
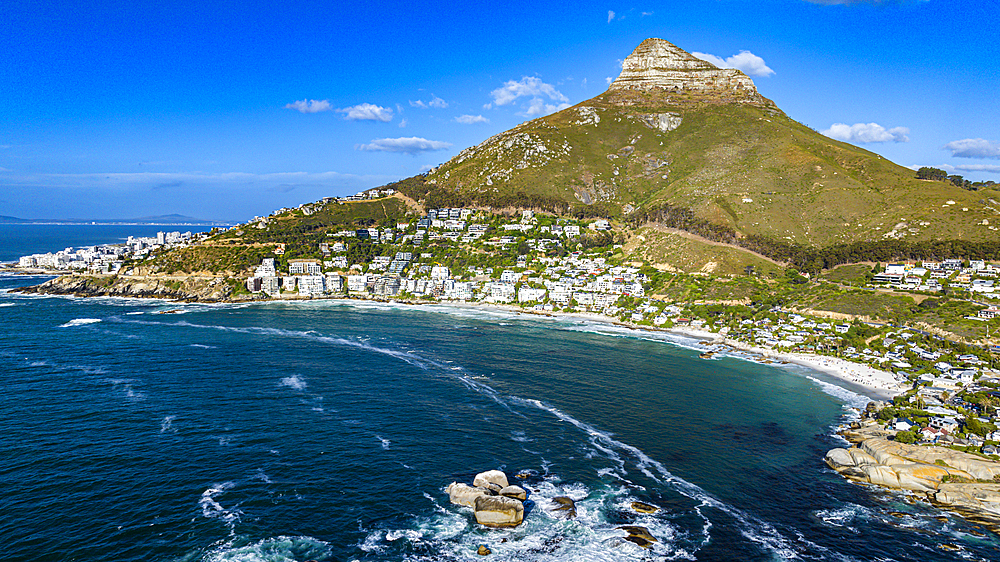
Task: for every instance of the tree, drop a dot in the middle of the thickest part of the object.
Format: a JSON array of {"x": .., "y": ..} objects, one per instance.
[{"x": 928, "y": 173}]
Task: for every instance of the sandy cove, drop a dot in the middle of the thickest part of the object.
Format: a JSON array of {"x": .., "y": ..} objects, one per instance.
[{"x": 871, "y": 382}]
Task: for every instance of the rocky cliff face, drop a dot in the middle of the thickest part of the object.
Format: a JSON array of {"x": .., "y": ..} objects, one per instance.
[
  {"x": 189, "y": 289},
  {"x": 660, "y": 66}
]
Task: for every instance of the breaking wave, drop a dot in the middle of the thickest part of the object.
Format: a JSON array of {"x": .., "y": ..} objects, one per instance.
[{"x": 80, "y": 322}]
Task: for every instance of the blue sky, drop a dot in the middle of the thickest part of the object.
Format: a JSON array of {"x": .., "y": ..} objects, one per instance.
[{"x": 234, "y": 109}]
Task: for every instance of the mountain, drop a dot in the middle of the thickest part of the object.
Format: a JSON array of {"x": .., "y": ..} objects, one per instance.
[
  {"x": 675, "y": 134},
  {"x": 165, "y": 220}
]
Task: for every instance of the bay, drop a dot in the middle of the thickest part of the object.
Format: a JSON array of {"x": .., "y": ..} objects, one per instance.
[{"x": 328, "y": 430}]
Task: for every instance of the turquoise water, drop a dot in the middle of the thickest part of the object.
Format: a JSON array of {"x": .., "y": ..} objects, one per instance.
[{"x": 146, "y": 430}]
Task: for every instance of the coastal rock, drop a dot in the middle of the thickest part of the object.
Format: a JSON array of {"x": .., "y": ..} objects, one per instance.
[
  {"x": 190, "y": 288},
  {"x": 565, "y": 504},
  {"x": 499, "y": 511},
  {"x": 515, "y": 492},
  {"x": 638, "y": 535},
  {"x": 880, "y": 475},
  {"x": 977, "y": 502},
  {"x": 641, "y": 507},
  {"x": 491, "y": 479},
  {"x": 848, "y": 462},
  {"x": 920, "y": 477},
  {"x": 926, "y": 469},
  {"x": 463, "y": 494},
  {"x": 861, "y": 458},
  {"x": 963, "y": 464},
  {"x": 839, "y": 458}
]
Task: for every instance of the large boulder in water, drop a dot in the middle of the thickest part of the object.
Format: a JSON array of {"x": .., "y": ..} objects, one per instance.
[
  {"x": 566, "y": 505},
  {"x": 638, "y": 535},
  {"x": 499, "y": 511},
  {"x": 492, "y": 480},
  {"x": 515, "y": 492},
  {"x": 463, "y": 494},
  {"x": 839, "y": 458}
]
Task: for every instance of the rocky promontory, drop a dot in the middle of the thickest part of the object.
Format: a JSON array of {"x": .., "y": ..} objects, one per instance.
[
  {"x": 955, "y": 480},
  {"x": 186, "y": 288}
]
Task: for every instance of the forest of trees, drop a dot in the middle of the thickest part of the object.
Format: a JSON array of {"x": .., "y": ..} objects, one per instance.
[{"x": 928, "y": 173}]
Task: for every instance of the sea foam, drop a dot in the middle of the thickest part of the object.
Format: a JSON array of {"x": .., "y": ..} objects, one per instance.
[
  {"x": 80, "y": 322},
  {"x": 295, "y": 382}
]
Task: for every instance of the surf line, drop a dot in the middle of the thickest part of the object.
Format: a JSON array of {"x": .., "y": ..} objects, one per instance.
[{"x": 755, "y": 530}]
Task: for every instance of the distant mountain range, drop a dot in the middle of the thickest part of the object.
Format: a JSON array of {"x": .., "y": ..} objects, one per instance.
[{"x": 166, "y": 220}]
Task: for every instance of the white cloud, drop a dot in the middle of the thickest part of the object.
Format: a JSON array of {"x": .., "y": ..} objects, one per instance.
[
  {"x": 979, "y": 168},
  {"x": 2, "y": 169},
  {"x": 408, "y": 145},
  {"x": 866, "y": 132},
  {"x": 367, "y": 112},
  {"x": 533, "y": 87},
  {"x": 611, "y": 16},
  {"x": 644, "y": 14},
  {"x": 310, "y": 106},
  {"x": 583, "y": 83},
  {"x": 435, "y": 102},
  {"x": 537, "y": 106},
  {"x": 974, "y": 148},
  {"x": 609, "y": 80},
  {"x": 471, "y": 119},
  {"x": 402, "y": 123},
  {"x": 749, "y": 63}
]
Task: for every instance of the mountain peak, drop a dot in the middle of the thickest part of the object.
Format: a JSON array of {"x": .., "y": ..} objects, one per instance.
[{"x": 660, "y": 66}]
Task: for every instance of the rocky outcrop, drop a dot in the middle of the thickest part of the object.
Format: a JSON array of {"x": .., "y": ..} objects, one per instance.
[
  {"x": 663, "y": 122},
  {"x": 566, "y": 505},
  {"x": 190, "y": 288},
  {"x": 658, "y": 65},
  {"x": 976, "y": 502},
  {"x": 499, "y": 511},
  {"x": 493, "y": 479},
  {"x": 463, "y": 494},
  {"x": 638, "y": 535},
  {"x": 495, "y": 502},
  {"x": 515, "y": 492},
  {"x": 966, "y": 483},
  {"x": 642, "y": 507}
]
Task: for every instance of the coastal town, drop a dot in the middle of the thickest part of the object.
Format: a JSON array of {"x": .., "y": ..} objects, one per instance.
[
  {"x": 106, "y": 258},
  {"x": 537, "y": 263}
]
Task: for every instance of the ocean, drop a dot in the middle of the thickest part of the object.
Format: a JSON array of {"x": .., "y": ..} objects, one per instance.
[
  {"x": 328, "y": 430},
  {"x": 18, "y": 240}
]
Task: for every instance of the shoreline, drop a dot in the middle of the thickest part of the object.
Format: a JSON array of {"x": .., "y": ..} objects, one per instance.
[
  {"x": 861, "y": 379},
  {"x": 854, "y": 377}
]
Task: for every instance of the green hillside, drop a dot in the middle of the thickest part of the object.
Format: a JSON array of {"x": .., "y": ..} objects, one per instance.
[{"x": 745, "y": 166}]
